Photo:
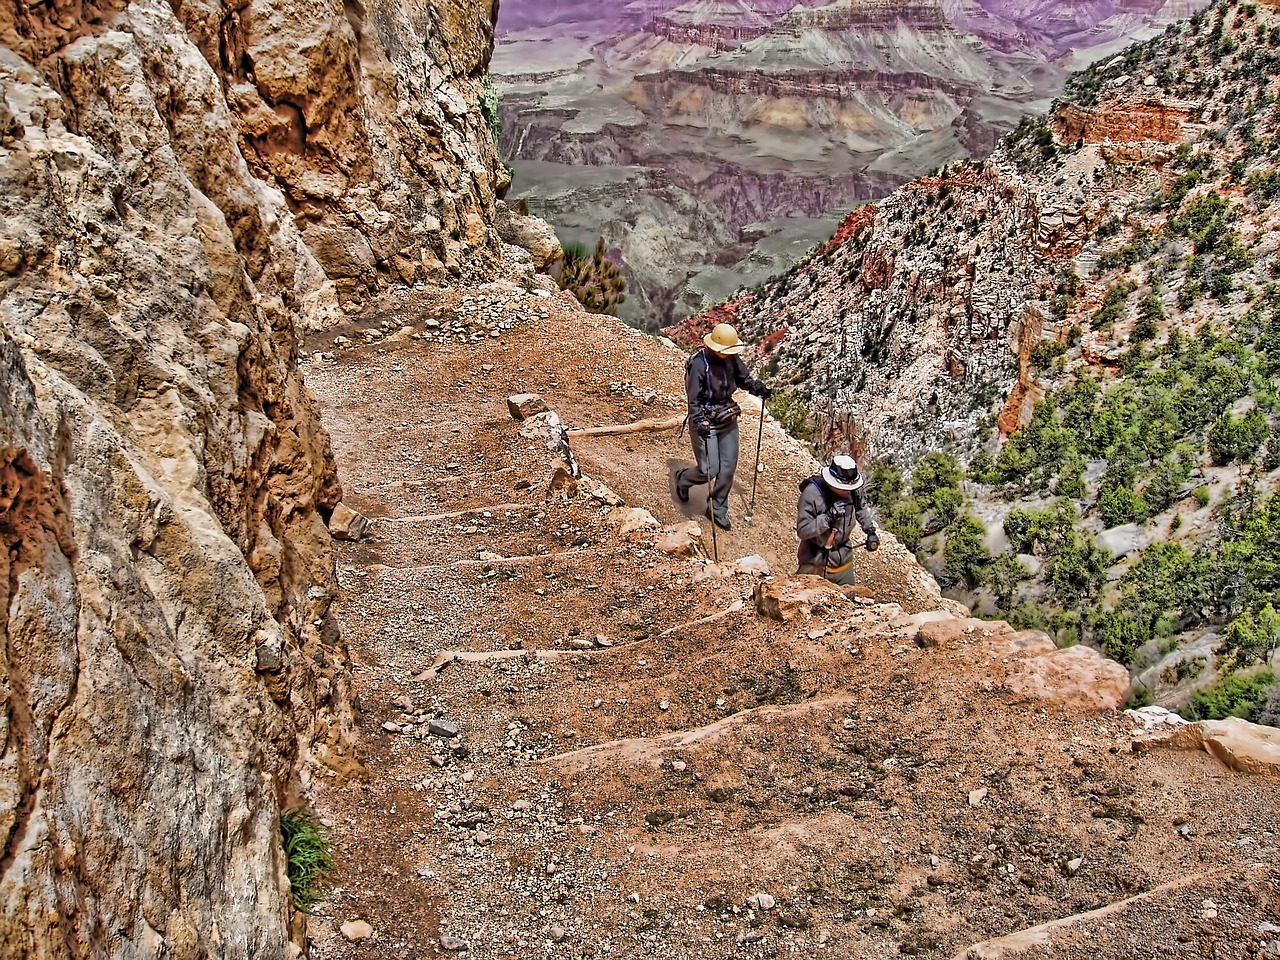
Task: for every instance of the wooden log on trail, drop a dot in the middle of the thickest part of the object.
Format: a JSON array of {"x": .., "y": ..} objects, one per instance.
[{"x": 617, "y": 429}]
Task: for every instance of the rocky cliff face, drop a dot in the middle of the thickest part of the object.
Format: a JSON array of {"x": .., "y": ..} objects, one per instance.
[
  {"x": 840, "y": 101},
  {"x": 180, "y": 191},
  {"x": 364, "y": 116}
]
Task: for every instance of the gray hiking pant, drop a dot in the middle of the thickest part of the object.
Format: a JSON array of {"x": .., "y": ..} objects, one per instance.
[{"x": 716, "y": 456}]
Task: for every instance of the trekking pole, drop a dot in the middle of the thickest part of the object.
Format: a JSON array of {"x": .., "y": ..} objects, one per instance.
[
  {"x": 755, "y": 474},
  {"x": 711, "y": 516}
]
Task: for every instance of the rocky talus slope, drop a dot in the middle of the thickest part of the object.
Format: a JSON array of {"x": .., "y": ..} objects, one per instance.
[
  {"x": 182, "y": 188},
  {"x": 582, "y": 744},
  {"x": 1088, "y": 322}
]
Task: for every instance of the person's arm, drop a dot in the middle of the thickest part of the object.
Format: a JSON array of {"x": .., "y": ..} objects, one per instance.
[
  {"x": 812, "y": 520},
  {"x": 742, "y": 377},
  {"x": 866, "y": 520}
]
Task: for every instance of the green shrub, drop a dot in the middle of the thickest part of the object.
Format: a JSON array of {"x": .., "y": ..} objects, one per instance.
[
  {"x": 1041, "y": 531},
  {"x": 1249, "y": 639},
  {"x": 1234, "y": 439},
  {"x": 1078, "y": 570},
  {"x": 1118, "y": 635},
  {"x": 1120, "y": 504},
  {"x": 793, "y": 414},
  {"x": 1204, "y": 222},
  {"x": 965, "y": 556},
  {"x": 935, "y": 471},
  {"x": 1046, "y": 351},
  {"x": 1201, "y": 495},
  {"x": 1236, "y": 695},
  {"x": 885, "y": 486},
  {"x": 1004, "y": 575},
  {"x": 489, "y": 109},
  {"x": 905, "y": 521},
  {"x": 1114, "y": 305},
  {"x": 945, "y": 504},
  {"x": 1150, "y": 315},
  {"x": 982, "y": 463},
  {"x": 308, "y": 857}
]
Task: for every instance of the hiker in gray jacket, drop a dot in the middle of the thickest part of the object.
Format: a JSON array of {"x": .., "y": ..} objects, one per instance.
[
  {"x": 710, "y": 377},
  {"x": 829, "y": 503}
]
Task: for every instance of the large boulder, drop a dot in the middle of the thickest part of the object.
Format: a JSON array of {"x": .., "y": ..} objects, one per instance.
[
  {"x": 798, "y": 597},
  {"x": 536, "y": 236},
  {"x": 1078, "y": 679}
]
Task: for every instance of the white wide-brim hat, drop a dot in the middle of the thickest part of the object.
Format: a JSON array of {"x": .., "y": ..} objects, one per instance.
[{"x": 843, "y": 474}]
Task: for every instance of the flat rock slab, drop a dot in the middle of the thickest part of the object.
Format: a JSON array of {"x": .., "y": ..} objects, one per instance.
[
  {"x": 1239, "y": 744},
  {"x": 1078, "y": 679},
  {"x": 798, "y": 597},
  {"x": 443, "y": 728}
]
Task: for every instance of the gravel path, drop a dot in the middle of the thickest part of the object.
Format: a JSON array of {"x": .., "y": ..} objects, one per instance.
[{"x": 633, "y": 799}]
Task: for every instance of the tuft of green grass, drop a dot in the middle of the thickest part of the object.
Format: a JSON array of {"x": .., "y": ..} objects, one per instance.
[{"x": 308, "y": 855}]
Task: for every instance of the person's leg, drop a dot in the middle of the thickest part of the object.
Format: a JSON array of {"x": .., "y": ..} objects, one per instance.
[
  {"x": 698, "y": 473},
  {"x": 727, "y": 443}
]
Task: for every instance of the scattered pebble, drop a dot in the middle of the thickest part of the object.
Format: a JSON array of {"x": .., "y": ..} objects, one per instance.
[{"x": 356, "y": 930}]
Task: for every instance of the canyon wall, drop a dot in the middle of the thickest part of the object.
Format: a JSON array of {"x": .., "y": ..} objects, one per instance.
[
  {"x": 837, "y": 102},
  {"x": 182, "y": 189}
]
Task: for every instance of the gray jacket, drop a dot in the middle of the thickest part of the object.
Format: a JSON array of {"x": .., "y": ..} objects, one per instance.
[{"x": 814, "y": 521}]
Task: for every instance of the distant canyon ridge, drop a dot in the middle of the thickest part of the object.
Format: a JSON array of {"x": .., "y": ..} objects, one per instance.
[{"x": 711, "y": 143}]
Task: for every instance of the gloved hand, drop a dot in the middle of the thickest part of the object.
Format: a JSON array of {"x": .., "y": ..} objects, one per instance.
[
  {"x": 702, "y": 428},
  {"x": 760, "y": 389},
  {"x": 838, "y": 511},
  {"x": 873, "y": 541}
]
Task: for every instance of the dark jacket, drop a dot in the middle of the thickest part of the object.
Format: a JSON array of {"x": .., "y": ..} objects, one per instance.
[
  {"x": 814, "y": 521},
  {"x": 709, "y": 382}
]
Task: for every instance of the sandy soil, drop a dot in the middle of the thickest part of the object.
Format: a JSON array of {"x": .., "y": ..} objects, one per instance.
[{"x": 631, "y": 800}]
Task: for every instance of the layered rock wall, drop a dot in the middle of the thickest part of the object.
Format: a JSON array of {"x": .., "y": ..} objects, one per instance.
[
  {"x": 364, "y": 115},
  {"x": 171, "y": 674}
]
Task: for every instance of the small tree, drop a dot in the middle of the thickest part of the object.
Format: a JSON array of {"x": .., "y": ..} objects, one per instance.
[
  {"x": 1004, "y": 576},
  {"x": 906, "y": 523},
  {"x": 965, "y": 556},
  {"x": 1235, "y": 439},
  {"x": 885, "y": 486}
]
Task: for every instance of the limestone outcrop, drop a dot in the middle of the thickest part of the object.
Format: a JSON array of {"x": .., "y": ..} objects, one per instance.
[
  {"x": 365, "y": 116},
  {"x": 171, "y": 672}
]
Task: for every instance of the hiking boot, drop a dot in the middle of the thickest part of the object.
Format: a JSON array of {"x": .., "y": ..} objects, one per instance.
[
  {"x": 682, "y": 493},
  {"x": 722, "y": 524}
]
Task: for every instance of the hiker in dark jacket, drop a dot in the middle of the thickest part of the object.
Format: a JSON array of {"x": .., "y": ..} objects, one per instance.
[
  {"x": 829, "y": 504},
  {"x": 710, "y": 377}
]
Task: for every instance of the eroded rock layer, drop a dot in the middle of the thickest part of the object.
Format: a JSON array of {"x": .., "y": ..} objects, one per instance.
[{"x": 171, "y": 674}]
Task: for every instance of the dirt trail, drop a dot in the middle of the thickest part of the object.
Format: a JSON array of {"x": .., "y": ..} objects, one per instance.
[{"x": 630, "y": 800}]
